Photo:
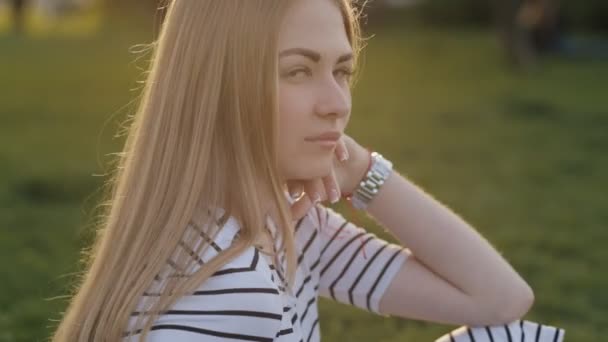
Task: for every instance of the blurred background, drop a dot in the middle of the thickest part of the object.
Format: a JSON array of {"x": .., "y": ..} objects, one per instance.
[{"x": 497, "y": 108}]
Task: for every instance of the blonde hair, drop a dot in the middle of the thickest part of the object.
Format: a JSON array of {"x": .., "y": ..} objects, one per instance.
[{"x": 203, "y": 136}]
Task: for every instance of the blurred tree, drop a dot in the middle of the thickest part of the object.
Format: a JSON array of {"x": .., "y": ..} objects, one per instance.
[
  {"x": 18, "y": 8},
  {"x": 154, "y": 9},
  {"x": 512, "y": 35},
  {"x": 528, "y": 28},
  {"x": 459, "y": 12},
  {"x": 542, "y": 21},
  {"x": 588, "y": 14}
]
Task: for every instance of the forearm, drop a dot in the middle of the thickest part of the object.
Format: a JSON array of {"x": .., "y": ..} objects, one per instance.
[{"x": 449, "y": 246}]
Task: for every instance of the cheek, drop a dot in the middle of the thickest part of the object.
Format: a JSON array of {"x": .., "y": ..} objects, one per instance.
[
  {"x": 299, "y": 159},
  {"x": 291, "y": 137},
  {"x": 293, "y": 120}
]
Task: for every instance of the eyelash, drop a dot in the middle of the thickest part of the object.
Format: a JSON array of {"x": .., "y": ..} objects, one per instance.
[{"x": 346, "y": 72}]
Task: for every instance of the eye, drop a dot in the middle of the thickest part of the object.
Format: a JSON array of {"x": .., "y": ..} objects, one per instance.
[
  {"x": 295, "y": 72},
  {"x": 346, "y": 72}
]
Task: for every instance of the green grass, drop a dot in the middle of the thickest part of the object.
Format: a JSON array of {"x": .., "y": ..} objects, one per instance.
[{"x": 520, "y": 157}]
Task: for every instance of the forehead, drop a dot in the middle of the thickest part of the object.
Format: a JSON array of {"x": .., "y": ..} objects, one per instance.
[{"x": 314, "y": 24}]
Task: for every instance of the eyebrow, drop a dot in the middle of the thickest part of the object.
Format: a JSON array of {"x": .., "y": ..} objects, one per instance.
[{"x": 314, "y": 56}]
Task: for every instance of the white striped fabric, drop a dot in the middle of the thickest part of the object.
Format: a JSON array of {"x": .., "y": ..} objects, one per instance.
[
  {"x": 246, "y": 300},
  {"x": 517, "y": 331}
]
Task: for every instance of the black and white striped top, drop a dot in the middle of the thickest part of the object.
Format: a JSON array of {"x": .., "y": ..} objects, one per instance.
[
  {"x": 247, "y": 300},
  {"x": 516, "y": 331}
]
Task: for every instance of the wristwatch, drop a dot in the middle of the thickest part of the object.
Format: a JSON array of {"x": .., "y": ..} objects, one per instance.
[{"x": 379, "y": 170}]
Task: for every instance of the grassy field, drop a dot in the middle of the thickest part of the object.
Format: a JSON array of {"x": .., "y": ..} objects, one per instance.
[{"x": 521, "y": 157}]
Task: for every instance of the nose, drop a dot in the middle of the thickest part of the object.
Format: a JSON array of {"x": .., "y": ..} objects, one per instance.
[{"x": 334, "y": 100}]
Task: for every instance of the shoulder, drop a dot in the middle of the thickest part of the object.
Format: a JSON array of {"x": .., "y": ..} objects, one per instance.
[{"x": 239, "y": 301}]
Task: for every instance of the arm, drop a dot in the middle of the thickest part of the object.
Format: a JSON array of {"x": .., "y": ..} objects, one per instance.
[
  {"x": 356, "y": 267},
  {"x": 452, "y": 267}
]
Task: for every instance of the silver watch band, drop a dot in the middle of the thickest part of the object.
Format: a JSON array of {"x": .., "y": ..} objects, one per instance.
[{"x": 369, "y": 186}]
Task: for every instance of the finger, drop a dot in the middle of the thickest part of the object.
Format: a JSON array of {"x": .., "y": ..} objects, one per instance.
[
  {"x": 331, "y": 187},
  {"x": 315, "y": 190},
  {"x": 341, "y": 151},
  {"x": 338, "y": 151},
  {"x": 295, "y": 188}
]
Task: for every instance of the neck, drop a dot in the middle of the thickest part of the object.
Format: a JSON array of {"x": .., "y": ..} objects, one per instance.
[{"x": 270, "y": 207}]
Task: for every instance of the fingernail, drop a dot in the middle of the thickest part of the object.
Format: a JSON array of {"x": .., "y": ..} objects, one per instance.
[
  {"x": 317, "y": 198},
  {"x": 344, "y": 156},
  {"x": 333, "y": 195}
]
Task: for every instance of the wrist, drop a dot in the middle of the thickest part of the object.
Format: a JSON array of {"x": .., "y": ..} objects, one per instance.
[
  {"x": 378, "y": 172},
  {"x": 361, "y": 164}
]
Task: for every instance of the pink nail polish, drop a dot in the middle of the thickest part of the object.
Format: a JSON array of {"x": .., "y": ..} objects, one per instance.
[
  {"x": 333, "y": 194},
  {"x": 344, "y": 156}
]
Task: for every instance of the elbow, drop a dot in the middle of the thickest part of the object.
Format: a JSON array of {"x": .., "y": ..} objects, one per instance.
[{"x": 517, "y": 305}]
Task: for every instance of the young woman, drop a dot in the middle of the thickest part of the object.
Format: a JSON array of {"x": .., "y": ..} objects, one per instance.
[{"x": 246, "y": 102}]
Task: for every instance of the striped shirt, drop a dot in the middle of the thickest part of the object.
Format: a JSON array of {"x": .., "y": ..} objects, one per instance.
[
  {"x": 246, "y": 299},
  {"x": 516, "y": 331}
]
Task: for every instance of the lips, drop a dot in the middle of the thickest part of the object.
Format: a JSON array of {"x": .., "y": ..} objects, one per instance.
[{"x": 329, "y": 136}]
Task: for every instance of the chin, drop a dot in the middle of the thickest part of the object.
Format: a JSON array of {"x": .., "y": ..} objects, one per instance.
[{"x": 309, "y": 170}]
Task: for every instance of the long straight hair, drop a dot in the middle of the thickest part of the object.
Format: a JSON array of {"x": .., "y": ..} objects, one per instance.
[{"x": 203, "y": 136}]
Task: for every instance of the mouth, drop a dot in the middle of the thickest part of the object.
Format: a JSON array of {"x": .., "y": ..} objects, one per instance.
[
  {"x": 327, "y": 143},
  {"x": 327, "y": 136}
]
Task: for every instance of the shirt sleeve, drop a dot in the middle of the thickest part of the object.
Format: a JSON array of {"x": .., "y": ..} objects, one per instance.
[
  {"x": 356, "y": 266},
  {"x": 514, "y": 331},
  {"x": 237, "y": 303}
]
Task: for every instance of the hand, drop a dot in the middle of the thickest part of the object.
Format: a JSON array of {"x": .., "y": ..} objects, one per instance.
[{"x": 343, "y": 177}]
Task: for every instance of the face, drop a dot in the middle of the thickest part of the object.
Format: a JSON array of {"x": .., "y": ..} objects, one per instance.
[{"x": 315, "y": 60}]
